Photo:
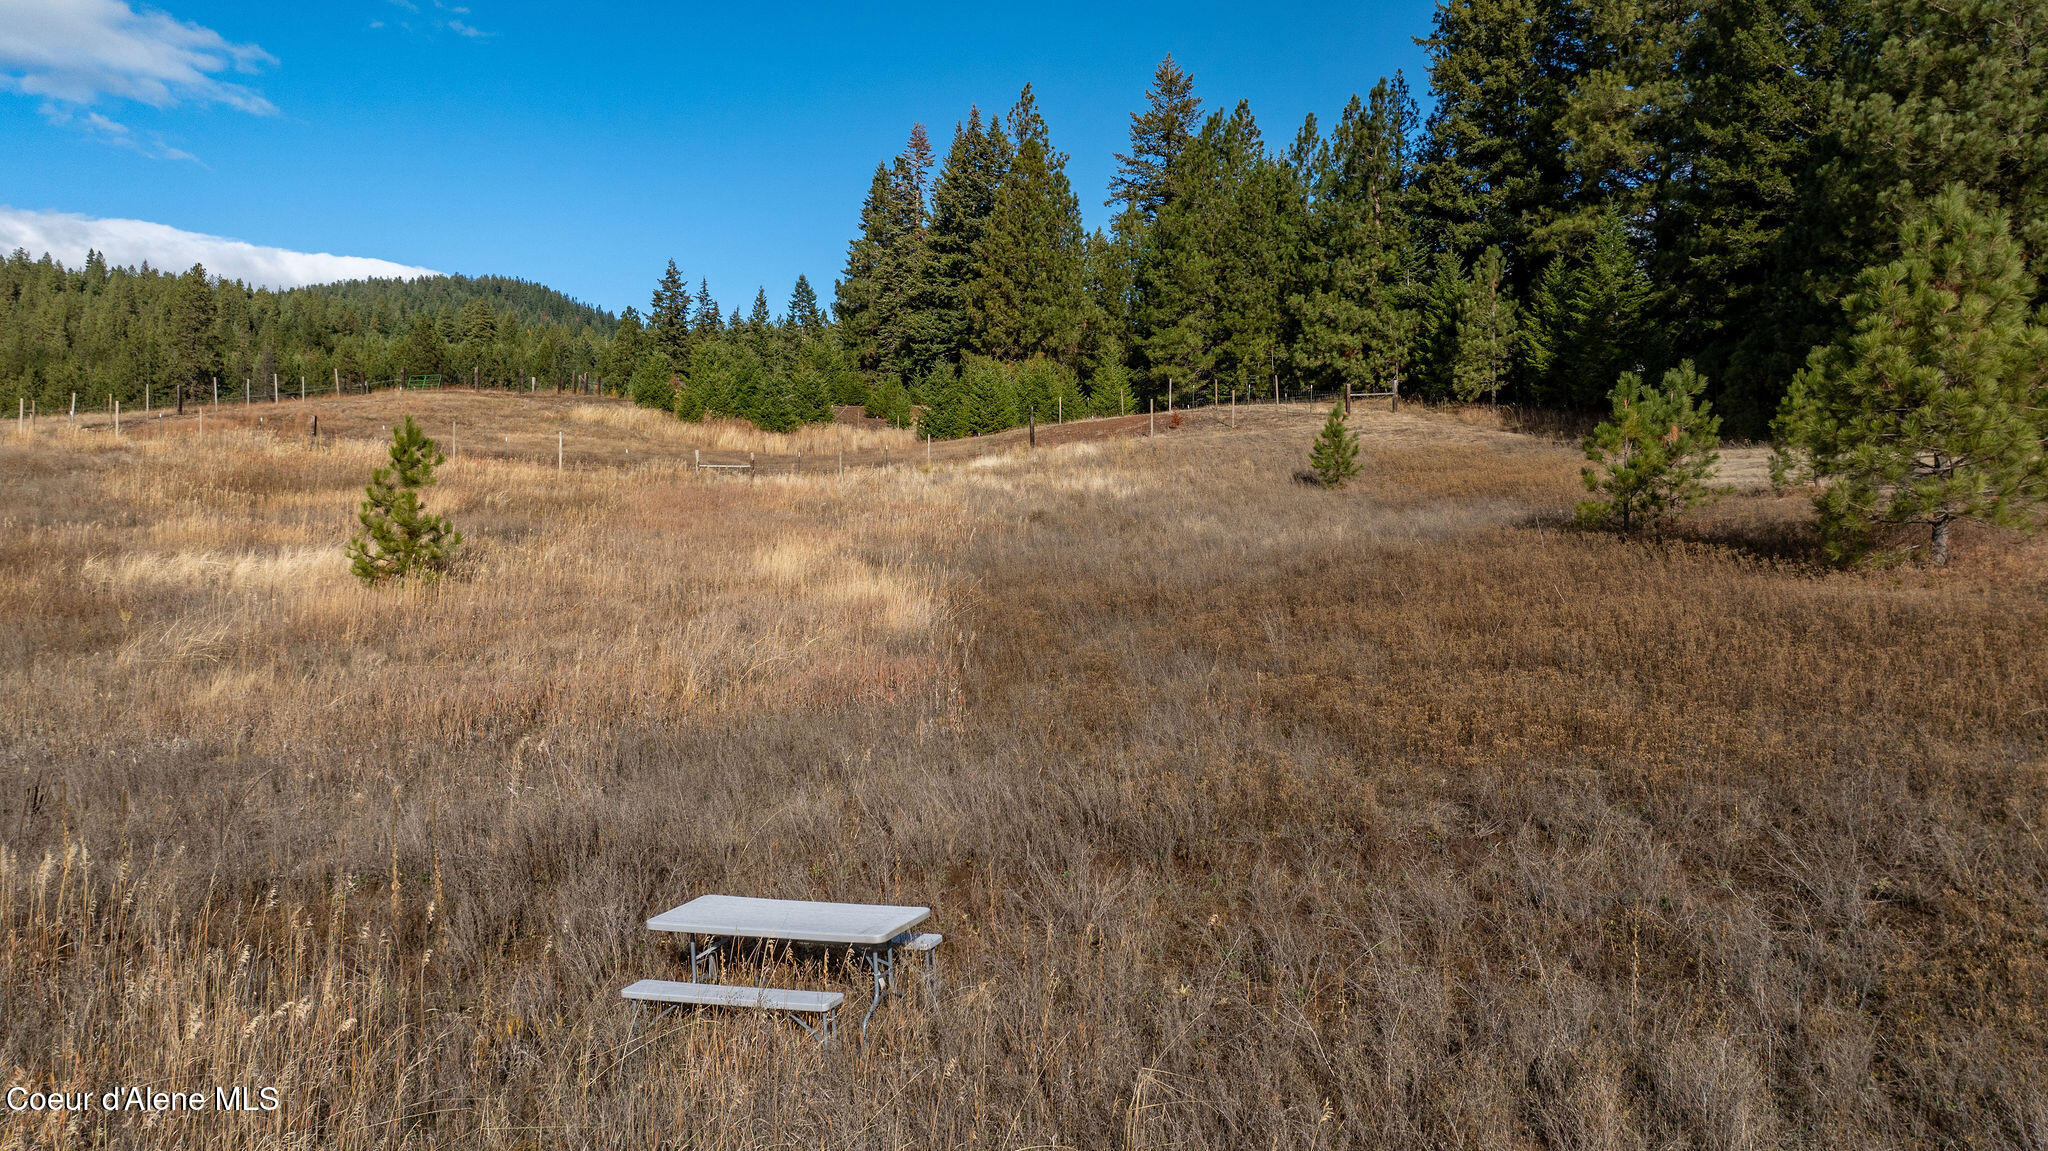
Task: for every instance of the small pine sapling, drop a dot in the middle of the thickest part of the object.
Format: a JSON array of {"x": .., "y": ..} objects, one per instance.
[
  {"x": 1335, "y": 454},
  {"x": 400, "y": 538},
  {"x": 1653, "y": 456}
]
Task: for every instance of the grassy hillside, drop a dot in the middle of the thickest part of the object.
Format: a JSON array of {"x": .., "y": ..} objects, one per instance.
[{"x": 1254, "y": 814}]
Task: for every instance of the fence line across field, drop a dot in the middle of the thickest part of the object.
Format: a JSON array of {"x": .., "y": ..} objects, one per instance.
[{"x": 250, "y": 393}]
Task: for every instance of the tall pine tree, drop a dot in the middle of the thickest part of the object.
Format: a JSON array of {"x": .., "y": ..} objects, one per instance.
[
  {"x": 1031, "y": 298},
  {"x": 668, "y": 318},
  {"x": 1159, "y": 135}
]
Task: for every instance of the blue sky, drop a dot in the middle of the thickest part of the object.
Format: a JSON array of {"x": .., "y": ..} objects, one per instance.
[{"x": 582, "y": 147}]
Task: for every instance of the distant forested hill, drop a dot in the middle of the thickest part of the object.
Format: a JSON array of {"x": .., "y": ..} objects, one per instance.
[
  {"x": 110, "y": 333},
  {"x": 532, "y": 303}
]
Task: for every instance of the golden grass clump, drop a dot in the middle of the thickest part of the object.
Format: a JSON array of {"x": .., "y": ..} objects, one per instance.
[{"x": 1254, "y": 814}]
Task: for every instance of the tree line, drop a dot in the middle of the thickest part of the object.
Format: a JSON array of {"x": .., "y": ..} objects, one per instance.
[
  {"x": 1592, "y": 190},
  {"x": 112, "y": 333},
  {"x": 1595, "y": 189}
]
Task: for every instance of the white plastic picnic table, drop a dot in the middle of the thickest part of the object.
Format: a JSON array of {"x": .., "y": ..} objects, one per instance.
[
  {"x": 798, "y": 920},
  {"x": 874, "y": 929}
]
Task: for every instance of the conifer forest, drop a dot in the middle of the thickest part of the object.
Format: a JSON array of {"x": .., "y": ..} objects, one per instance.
[{"x": 1579, "y": 190}]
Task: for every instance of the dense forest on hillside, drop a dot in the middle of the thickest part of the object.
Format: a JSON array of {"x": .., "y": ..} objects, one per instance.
[
  {"x": 109, "y": 333},
  {"x": 1594, "y": 188}
]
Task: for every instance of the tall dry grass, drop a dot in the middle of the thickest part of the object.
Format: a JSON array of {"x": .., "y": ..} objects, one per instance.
[{"x": 1254, "y": 814}]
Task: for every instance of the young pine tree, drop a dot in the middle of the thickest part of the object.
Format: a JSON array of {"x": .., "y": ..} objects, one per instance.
[
  {"x": 1486, "y": 332},
  {"x": 400, "y": 538},
  {"x": 1110, "y": 390},
  {"x": 1335, "y": 454},
  {"x": 1930, "y": 410},
  {"x": 1653, "y": 456},
  {"x": 1586, "y": 320}
]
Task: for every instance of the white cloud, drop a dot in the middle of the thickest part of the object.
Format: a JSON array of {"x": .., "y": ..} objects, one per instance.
[
  {"x": 67, "y": 236},
  {"x": 120, "y": 135},
  {"x": 78, "y": 52},
  {"x": 434, "y": 22}
]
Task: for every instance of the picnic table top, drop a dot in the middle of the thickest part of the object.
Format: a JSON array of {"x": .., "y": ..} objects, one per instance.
[{"x": 794, "y": 919}]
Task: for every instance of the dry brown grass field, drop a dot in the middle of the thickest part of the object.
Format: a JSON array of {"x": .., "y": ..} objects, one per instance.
[{"x": 1255, "y": 815}]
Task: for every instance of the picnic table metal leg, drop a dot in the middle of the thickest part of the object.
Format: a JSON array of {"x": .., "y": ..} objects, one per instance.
[
  {"x": 876, "y": 961},
  {"x": 708, "y": 954}
]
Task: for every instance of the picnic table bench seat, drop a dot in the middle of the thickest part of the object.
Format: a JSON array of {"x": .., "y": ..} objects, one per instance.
[{"x": 795, "y": 1004}]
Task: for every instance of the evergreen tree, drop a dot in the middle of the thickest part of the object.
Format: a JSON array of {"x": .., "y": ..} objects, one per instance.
[
  {"x": 803, "y": 314},
  {"x": 190, "y": 329},
  {"x": 1587, "y": 320},
  {"x": 1721, "y": 218},
  {"x": 650, "y": 385},
  {"x": 1217, "y": 266},
  {"x": 1440, "y": 302},
  {"x": 948, "y": 403},
  {"x": 858, "y": 297},
  {"x": 1158, "y": 136},
  {"x": 884, "y": 264},
  {"x": 991, "y": 396},
  {"x": 424, "y": 353},
  {"x": 476, "y": 324},
  {"x": 668, "y": 318},
  {"x": 1355, "y": 321},
  {"x": 624, "y": 355},
  {"x": 1110, "y": 391},
  {"x": 400, "y": 539},
  {"x": 1930, "y": 410},
  {"x": 1485, "y": 333},
  {"x": 1334, "y": 457},
  {"x": 1030, "y": 296},
  {"x": 1653, "y": 455},
  {"x": 891, "y": 401},
  {"x": 708, "y": 321},
  {"x": 941, "y": 326},
  {"x": 1954, "y": 93},
  {"x": 1492, "y": 162}
]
